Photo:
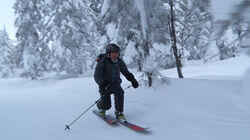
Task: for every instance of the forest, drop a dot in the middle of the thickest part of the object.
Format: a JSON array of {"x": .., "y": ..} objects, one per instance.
[{"x": 66, "y": 36}]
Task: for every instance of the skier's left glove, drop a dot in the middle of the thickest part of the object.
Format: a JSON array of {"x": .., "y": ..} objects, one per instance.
[
  {"x": 132, "y": 79},
  {"x": 135, "y": 83}
]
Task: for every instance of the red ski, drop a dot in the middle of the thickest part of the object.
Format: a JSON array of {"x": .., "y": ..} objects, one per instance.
[
  {"x": 109, "y": 119},
  {"x": 133, "y": 126}
]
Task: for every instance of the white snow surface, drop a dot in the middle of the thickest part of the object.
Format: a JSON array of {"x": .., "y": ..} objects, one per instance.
[{"x": 211, "y": 103}]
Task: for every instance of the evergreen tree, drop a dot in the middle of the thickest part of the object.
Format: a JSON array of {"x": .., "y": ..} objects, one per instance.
[
  {"x": 7, "y": 66},
  {"x": 66, "y": 35},
  {"x": 145, "y": 25},
  {"x": 27, "y": 22},
  {"x": 70, "y": 30}
]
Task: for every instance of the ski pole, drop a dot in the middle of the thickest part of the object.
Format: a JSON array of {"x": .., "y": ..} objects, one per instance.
[
  {"x": 67, "y": 126},
  {"x": 127, "y": 87}
]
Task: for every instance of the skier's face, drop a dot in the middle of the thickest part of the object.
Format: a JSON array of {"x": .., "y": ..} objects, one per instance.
[{"x": 114, "y": 56}]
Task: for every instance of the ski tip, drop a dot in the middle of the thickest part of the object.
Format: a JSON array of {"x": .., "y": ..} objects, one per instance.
[
  {"x": 135, "y": 127},
  {"x": 145, "y": 130}
]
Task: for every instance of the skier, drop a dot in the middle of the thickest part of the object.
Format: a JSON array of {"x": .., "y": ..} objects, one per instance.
[{"x": 107, "y": 76}]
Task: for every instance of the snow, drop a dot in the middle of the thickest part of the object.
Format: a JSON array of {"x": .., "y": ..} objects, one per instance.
[
  {"x": 211, "y": 103},
  {"x": 112, "y": 32},
  {"x": 162, "y": 48},
  {"x": 130, "y": 53},
  {"x": 245, "y": 42},
  {"x": 212, "y": 52},
  {"x": 220, "y": 70}
]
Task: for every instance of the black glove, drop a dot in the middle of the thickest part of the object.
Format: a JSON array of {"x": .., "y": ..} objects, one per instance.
[
  {"x": 132, "y": 79},
  {"x": 135, "y": 83}
]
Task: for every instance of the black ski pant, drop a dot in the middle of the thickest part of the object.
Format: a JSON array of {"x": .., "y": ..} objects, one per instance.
[{"x": 105, "y": 102}]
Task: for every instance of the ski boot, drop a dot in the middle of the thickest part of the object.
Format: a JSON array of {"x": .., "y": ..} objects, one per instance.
[
  {"x": 119, "y": 116},
  {"x": 102, "y": 113}
]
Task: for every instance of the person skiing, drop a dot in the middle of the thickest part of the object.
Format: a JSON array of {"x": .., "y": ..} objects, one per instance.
[{"x": 107, "y": 76}]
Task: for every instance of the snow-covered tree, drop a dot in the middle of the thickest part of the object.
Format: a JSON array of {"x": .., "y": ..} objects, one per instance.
[
  {"x": 6, "y": 58},
  {"x": 28, "y": 22},
  {"x": 66, "y": 35},
  {"x": 239, "y": 25},
  {"x": 172, "y": 29},
  {"x": 70, "y": 30},
  {"x": 124, "y": 26},
  {"x": 194, "y": 26},
  {"x": 151, "y": 26},
  {"x": 240, "y": 21},
  {"x": 144, "y": 28}
]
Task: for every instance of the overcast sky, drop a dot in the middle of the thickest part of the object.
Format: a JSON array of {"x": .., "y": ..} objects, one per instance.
[
  {"x": 221, "y": 9},
  {"x": 7, "y": 17}
]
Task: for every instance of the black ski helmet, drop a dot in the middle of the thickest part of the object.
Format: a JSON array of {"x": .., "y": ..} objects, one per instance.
[{"x": 111, "y": 48}]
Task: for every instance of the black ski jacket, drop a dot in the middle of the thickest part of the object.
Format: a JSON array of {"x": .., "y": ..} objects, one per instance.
[{"x": 108, "y": 71}]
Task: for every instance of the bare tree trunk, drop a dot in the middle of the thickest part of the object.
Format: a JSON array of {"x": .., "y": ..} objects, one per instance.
[
  {"x": 150, "y": 78},
  {"x": 173, "y": 38},
  {"x": 140, "y": 57},
  {"x": 146, "y": 55}
]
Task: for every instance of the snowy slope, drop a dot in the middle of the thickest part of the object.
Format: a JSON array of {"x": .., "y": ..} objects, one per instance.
[{"x": 211, "y": 103}]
